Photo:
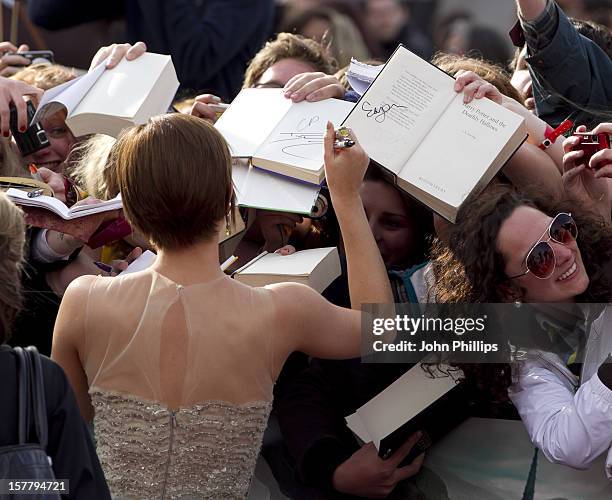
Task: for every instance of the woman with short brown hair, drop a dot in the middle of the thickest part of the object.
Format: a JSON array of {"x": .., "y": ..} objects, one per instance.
[{"x": 176, "y": 364}]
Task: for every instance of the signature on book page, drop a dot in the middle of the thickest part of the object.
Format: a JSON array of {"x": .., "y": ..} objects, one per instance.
[
  {"x": 379, "y": 113},
  {"x": 301, "y": 143}
]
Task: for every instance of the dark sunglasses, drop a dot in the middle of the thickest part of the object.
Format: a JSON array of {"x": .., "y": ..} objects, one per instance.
[{"x": 541, "y": 260}]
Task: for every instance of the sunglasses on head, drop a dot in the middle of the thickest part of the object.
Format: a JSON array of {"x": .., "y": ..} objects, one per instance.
[{"x": 541, "y": 260}]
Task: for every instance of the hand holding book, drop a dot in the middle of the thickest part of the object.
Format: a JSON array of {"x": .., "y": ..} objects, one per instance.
[
  {"x": 117, "y": 51},
  {"x": 365, "y": 474},
  {"x": 474, "y": 87}
]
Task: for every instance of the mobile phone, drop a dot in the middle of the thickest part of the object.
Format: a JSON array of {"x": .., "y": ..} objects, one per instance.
[
  {"x": 34, "y": 138},
  {"x": 592, "y": 143},
  {"x": 36, "y": 56}
]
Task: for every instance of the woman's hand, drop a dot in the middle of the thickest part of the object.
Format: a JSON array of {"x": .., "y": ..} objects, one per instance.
[
  {"x": 12, "y": 91},
  {"x": 286, "y": 250},
  {"x": 55, "y": 181},
  {"x": 344, "y": 168},
  {"x": 116, "y": 52},
  {"x": 582, "y": 184},
  {"x": 120, "y": 265},
  {"x": 601, "y": 161},
  {"x": 10, "y": 61},
  {"x": 203, "y": 107},
  {"x": 313, "y": 87},
  {"x": 474, "y": 87}
]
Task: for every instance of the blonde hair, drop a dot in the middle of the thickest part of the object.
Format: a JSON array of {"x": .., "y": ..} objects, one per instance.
[
  {"x": 175, "y": 178},
  {"x": 10, "y": 165},
  {"x": 12, "y": 240},
  {"x": 45, "y": 76},
  {"x": 91, "y": 168}
]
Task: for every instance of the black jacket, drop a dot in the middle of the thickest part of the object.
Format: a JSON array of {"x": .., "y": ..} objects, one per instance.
[
  {"x": 70, "y": 446},
  {"x": 210, "y": 41}
]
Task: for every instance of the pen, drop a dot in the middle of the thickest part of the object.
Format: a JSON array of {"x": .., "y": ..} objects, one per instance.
[
  {"x": 36, "y": 193},
  {"x": 343, "y": 144},
  {"x": 34, "y": 172},
  {"x": 104, "y": 267}
]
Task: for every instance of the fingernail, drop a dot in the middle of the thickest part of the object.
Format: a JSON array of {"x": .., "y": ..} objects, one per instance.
[
  {"x": 216, "y": 99},
  {"x": 310, "y": 97},
  {"x": 288, "y": 93},
  {"x": 22, "y": 129},
  {"x": 457, "y": 87},
  {"x": 6, "y": 134}
]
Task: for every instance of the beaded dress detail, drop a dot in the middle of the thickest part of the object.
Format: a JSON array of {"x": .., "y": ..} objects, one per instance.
[{"x": 203, "y": 440}]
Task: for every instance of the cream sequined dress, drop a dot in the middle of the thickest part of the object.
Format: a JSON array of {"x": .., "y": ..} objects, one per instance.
[{"x": 189, "y": 432}]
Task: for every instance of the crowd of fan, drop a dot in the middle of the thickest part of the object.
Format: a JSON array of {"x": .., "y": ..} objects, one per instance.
[{"x": 181, "y": 369}]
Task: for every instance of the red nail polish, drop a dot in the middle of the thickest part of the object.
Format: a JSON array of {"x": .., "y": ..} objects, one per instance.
[
  {"x": 6, "y": 134},
  {"x": 22, "y": 129}
]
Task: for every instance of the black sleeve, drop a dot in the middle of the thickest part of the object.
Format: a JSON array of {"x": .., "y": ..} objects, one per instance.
[
  {"x": 59, "y": 14},
  {"x": 70, "y": 445},
  {"x": 311, "y": 417},
  {"x": 202, "y": 47}
]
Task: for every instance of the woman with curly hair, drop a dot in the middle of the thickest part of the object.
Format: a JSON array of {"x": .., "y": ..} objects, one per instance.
[{"x": 511, "y": 247}]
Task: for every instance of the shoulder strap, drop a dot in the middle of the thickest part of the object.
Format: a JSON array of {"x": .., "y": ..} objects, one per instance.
[
  {"x": 23, "y": 395},
  {"x": 39, "y": 407},
  {"x": 32, "y": 403}
]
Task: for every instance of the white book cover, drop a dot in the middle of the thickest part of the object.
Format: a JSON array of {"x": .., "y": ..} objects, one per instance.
[
  {"x": 251, "y": 117},
  {"x": 403, "y": 400},
  {"x": 256, "y": 188},
  {"x": 54, "y": 205},
  {"x": 279, "y": 135},
  {"x": 301, "y": 263},
  {"x": 109, "y": 100}
]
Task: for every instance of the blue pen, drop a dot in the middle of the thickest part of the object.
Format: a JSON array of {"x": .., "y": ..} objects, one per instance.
[{"x": 104, "y": 267}]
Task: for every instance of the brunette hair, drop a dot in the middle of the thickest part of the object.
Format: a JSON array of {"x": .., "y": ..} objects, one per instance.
[
  {"x": 289, "y": 46},
  {"x": 471, "y": 268},
  {"x": 420, "y": 216},
  {"x": 12, "y": 239},
  {"x": 175, "y": 178},
  {"x": 495, "y": 75}
]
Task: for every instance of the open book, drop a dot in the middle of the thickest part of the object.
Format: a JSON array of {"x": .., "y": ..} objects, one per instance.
[
  {"x": 440, "y": 150},
  {"x": 316, "y": 268},
  {"x": 57, "y": 207},
  {"x": 414, "y": 402},
  {"x": 107, "y": 101},
  {"x": 279, "y": 135}
]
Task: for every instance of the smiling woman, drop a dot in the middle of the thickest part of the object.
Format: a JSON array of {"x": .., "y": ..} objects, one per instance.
[
  {"x": 510, "y": 247},
  {"x": 61, "y": 139}
]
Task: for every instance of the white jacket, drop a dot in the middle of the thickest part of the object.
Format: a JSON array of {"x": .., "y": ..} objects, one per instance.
[{"x": 571, "y": 425}]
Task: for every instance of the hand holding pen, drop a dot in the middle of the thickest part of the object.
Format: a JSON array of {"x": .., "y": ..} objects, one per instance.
[{"x": 345, "y": 167}]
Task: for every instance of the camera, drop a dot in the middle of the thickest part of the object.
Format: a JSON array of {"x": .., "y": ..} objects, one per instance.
[
  {"x": 36, "y": 56},
  {"x": 34, "y": 138},
  {"x": 591, "y": 144}
]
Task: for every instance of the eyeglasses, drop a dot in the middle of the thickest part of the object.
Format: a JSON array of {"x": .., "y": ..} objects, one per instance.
[{"x": 541, "y": 259}]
